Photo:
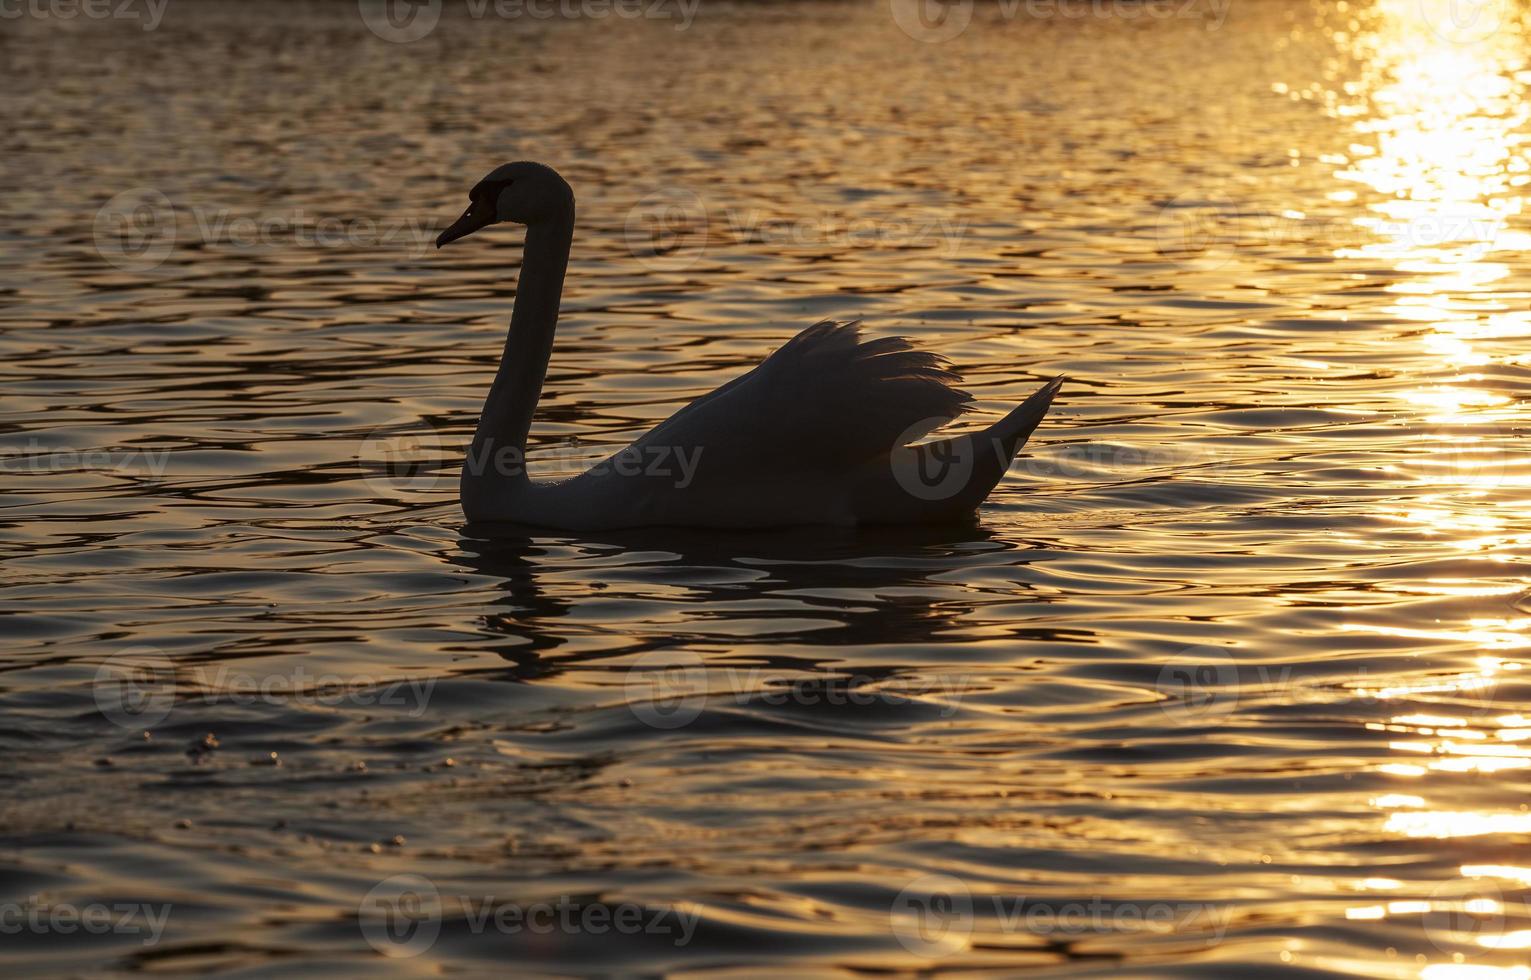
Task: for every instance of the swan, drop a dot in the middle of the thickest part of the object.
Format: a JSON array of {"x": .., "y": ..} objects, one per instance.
[{"x": 821, "y": 432}]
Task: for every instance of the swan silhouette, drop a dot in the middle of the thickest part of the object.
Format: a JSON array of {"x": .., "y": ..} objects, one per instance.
[{"x": 821, "y": 432}]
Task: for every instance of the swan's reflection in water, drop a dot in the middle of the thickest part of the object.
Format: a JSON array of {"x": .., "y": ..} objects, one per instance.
[
  {"x": 809, "y": 602},
  {"x": 664, "y": 683}
]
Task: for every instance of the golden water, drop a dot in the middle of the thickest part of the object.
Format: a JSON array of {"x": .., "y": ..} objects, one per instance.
[{"x": 1241, "y": 636}]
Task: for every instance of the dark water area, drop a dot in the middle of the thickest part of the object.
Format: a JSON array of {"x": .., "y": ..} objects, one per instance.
[{"x": 1225, "y": 681}]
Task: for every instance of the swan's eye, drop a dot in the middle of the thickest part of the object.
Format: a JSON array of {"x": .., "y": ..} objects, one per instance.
[{"x": 488, "y": 192}]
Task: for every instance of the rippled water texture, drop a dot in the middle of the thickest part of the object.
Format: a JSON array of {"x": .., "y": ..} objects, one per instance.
[{"x": 1233, "y": 656}]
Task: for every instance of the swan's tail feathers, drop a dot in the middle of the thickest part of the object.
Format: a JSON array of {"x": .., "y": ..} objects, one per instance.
[
  {"x": 1010, "y": 433},
  {"x": 946, "y": 480}
]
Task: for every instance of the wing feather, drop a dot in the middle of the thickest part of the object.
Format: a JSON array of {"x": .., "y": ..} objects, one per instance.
[{"x": 825, "y": 400}]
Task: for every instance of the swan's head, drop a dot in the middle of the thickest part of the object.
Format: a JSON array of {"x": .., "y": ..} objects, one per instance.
[{"x": 525, "y": 192}]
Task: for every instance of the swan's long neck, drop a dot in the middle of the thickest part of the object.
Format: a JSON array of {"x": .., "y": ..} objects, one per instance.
[{"x": 507, "y": 415}]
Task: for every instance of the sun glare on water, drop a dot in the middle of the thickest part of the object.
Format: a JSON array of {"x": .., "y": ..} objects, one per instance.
[{"x": 1438, "y": 158}]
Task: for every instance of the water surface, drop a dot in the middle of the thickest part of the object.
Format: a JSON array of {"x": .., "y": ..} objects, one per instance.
[{"x": 1240, "y": 636}]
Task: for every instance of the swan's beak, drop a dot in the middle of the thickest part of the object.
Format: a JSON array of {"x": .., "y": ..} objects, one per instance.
[{"x": 479, "y": 215}]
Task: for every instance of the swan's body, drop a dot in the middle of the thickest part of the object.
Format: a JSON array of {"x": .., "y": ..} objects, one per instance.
[{"x": 819, "y": 433}]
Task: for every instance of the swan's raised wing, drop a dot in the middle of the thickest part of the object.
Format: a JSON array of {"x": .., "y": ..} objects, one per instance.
[{"x": 824, "y": 402}]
